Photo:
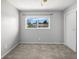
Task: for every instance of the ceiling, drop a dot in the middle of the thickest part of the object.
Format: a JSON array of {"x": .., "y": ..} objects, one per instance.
[{"x": 36, "y": 4}]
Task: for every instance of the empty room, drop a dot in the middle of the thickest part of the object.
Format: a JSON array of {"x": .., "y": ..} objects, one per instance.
[{"x": 38, "y": 29}]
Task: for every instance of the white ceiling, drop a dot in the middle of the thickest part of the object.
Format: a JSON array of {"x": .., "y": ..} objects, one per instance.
[{"x": 36, "y": 4}]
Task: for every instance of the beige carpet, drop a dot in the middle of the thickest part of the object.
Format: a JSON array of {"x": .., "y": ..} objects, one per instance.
[{"x": 39, "y": 51}]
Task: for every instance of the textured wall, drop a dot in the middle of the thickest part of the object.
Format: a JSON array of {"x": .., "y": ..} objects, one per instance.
[
  {"x": 9, "y": 26},
  {"x": 52, "y": 35}
]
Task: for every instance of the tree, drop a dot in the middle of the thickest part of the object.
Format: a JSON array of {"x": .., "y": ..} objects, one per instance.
[{"x": 45, "y": 22}]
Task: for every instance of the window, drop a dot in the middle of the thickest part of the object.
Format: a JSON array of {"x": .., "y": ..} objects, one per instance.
[{"x": 37, "y": 22}]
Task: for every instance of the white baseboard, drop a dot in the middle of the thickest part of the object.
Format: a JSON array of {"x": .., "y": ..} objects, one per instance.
[
  {"x": 70, "y": 48},
  {"x": 9, "y": 50},
  {"x": 40, "y": 43}
]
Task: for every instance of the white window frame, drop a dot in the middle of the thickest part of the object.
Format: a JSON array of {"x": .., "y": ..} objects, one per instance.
[{"x": 39, "y": 16}]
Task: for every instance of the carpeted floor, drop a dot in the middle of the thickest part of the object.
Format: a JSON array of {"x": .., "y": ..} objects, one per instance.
[{"x": 39, "y": 51}]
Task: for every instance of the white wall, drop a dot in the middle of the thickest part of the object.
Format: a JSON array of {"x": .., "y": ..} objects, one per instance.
[
  {"x": 9, "y": 27},
  {"x": 70, "y": 27},
  {"x": 52, "y": 35}
]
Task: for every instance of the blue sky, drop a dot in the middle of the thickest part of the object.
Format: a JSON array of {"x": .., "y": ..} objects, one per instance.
[
  {"x": 41, "y": 20},
  {"x": 34, "y": 20}
]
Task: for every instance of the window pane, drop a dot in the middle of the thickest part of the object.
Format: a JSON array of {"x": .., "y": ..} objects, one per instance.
[
  {"x": 37, "y": 22},
  {"x": 31, "y": 22},
  {"x": 43, "y": 22}
]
